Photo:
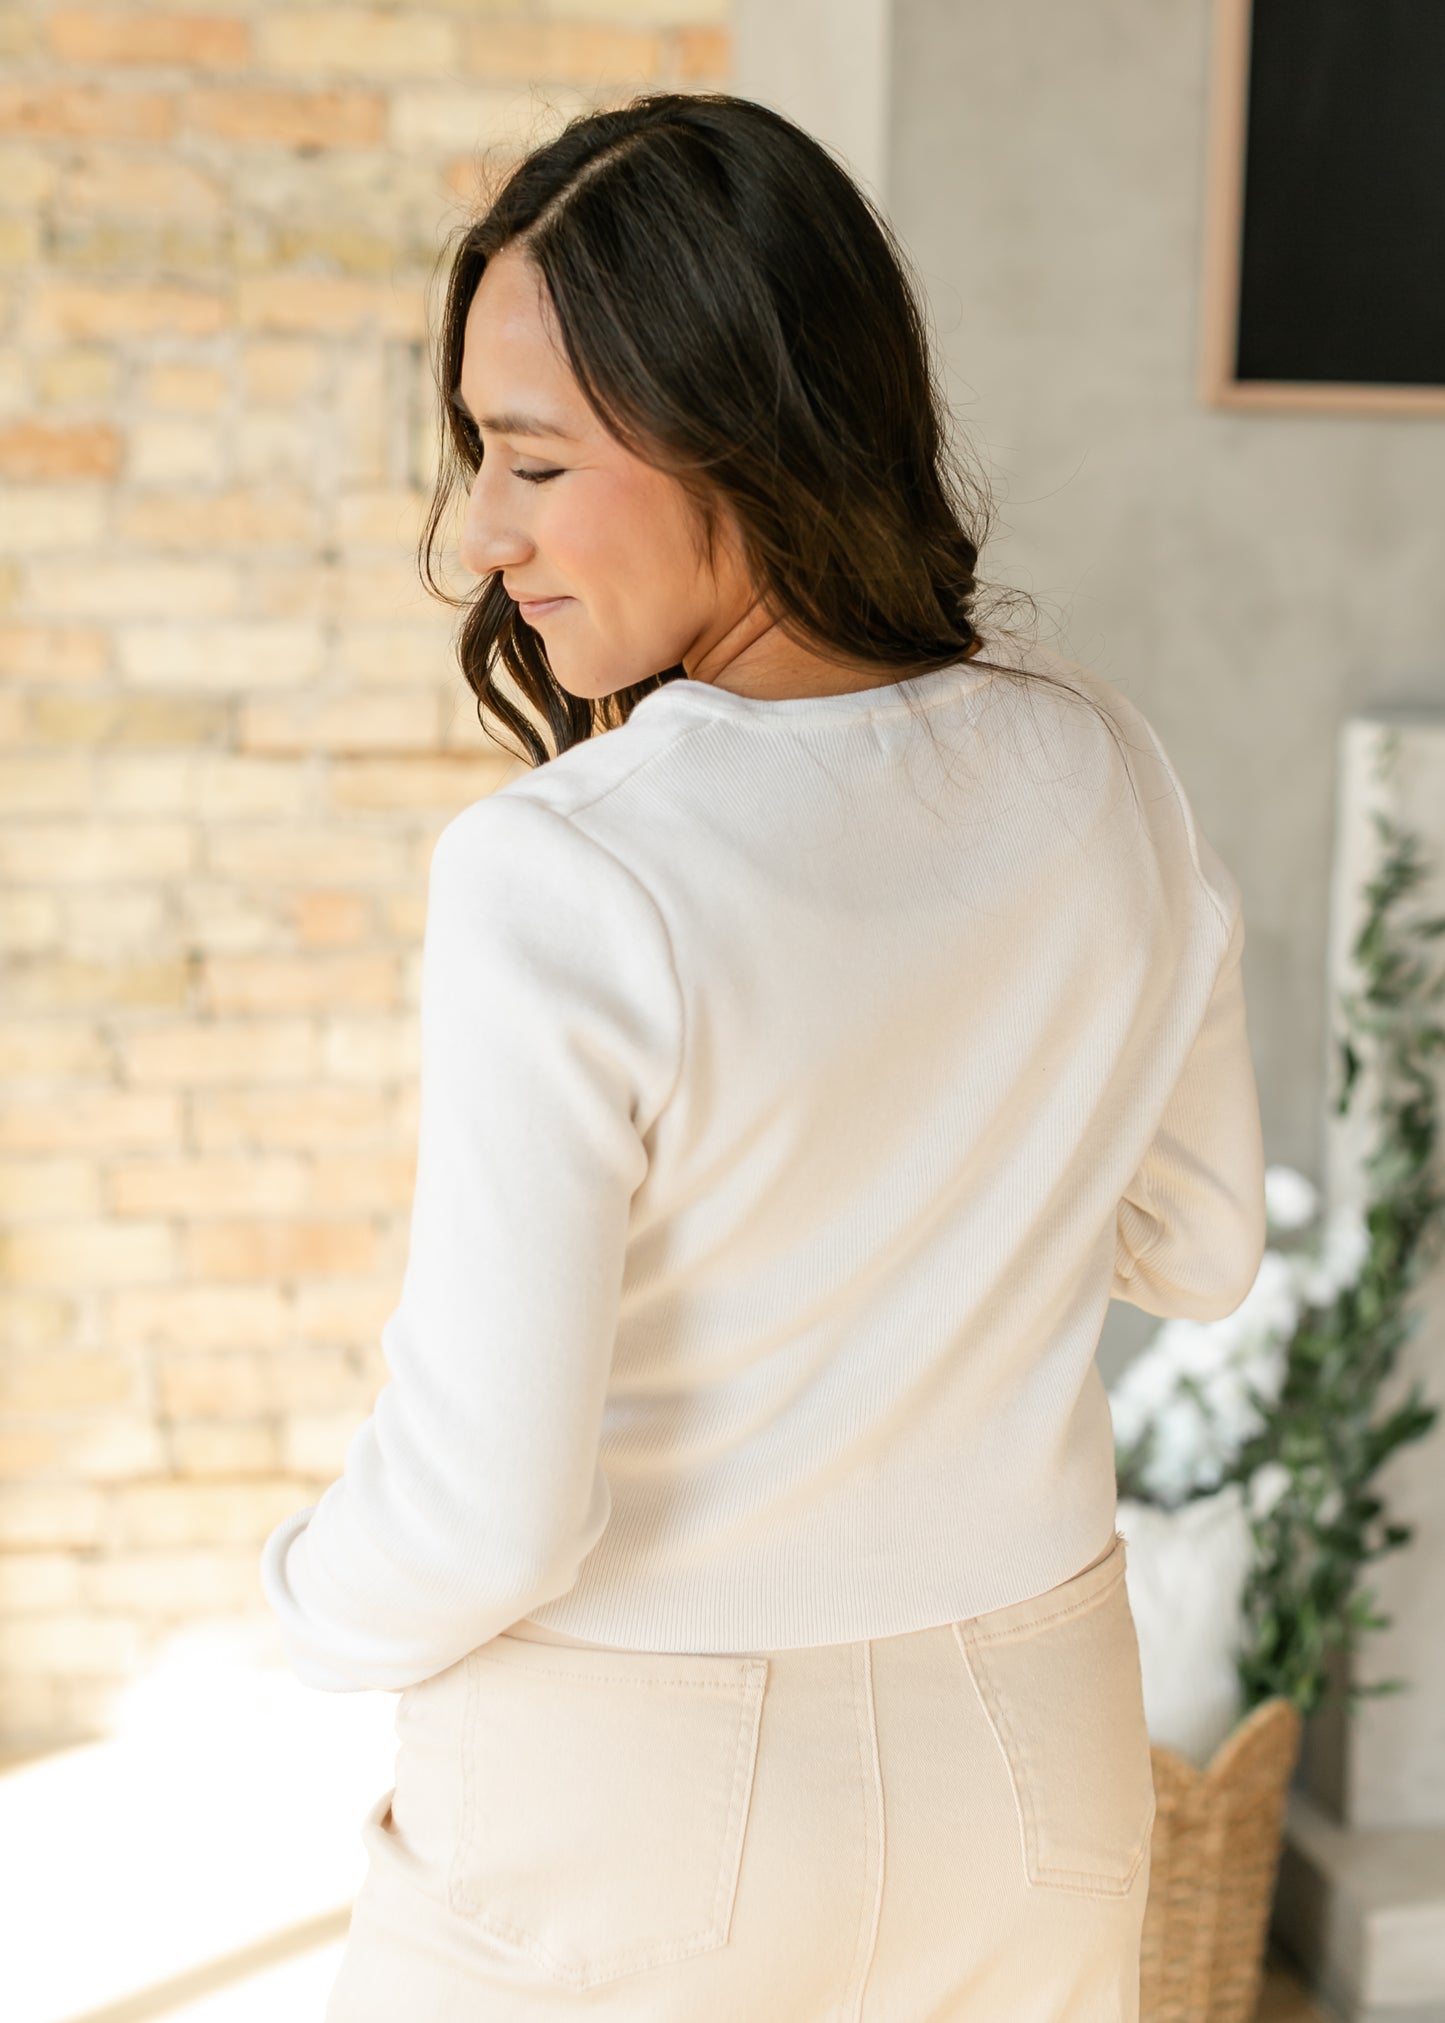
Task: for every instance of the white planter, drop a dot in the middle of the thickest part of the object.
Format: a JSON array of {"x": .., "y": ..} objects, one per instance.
[{"x": 1185, "y": 1571}]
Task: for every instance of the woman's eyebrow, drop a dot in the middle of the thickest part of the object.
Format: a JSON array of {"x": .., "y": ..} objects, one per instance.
[{"x": 514, "y": 424}]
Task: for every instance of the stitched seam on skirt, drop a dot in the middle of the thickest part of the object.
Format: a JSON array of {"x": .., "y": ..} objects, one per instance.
[
  {"x": 1004, "y": 1736},
  {"x": 878, "y": 1846},
  {"x": 867, "y": 1829},
  {"x": 745, "y": 1760},
  {"x": 616, "y": 1678},
  {"x": 1012, "y": 1632}
]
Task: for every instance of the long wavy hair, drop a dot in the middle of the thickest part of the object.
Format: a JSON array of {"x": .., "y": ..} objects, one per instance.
[{"x": 738, "y": 313}]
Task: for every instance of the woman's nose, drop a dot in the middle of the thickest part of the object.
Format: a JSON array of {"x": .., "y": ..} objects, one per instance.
[{"x": 487, "y": 544}]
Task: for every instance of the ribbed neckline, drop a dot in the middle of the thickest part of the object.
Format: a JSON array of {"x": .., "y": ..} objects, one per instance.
[{"x": 706, "y": 698}]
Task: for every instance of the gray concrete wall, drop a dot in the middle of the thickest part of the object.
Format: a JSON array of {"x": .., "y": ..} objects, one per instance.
[{"x": 1249, "y": 579}]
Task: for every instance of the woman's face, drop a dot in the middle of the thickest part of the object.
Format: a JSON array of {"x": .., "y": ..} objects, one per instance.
[{"x": 564, "y": 512}]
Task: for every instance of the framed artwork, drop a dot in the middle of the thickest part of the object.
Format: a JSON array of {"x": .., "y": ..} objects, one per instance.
[{"x": 1324, "y": 262}]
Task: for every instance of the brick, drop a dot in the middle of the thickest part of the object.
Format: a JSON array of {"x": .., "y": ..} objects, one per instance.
[
  {"x": 40, "y": 450},
  {"x": 90, "y": 309},
  {"x": 381, "y": 518},
  {"x": 27, "y": 172},
  {"x": 321, "y": 920},
  {"x": 98, "y": 1119},
  {"x": 19, "y": 242},
  {"x": 104, "y": 181},
  {"x": 62, "y": 852},
  {"x": 39, "y": 1583},
  {"x": 216, "y": 784},
  {"x": 703, "y": 54},
  {"x": 350, "y": 248},
  {"x": 664, "y": 13},
  {"x": 425, "y": 784},
  {"x": 45, "y": 783},
  {"x": 19, "y": 31},
  {"x": 371, "y": 1050},
  {"x": 382, "y": 1182},
  {"x": 184, "y": 389},
  {"x": 63, "y": 112},
  {"x": 318, "y": 119},
  {"x": 386, "y": 587},
  {"x": 15, "y": 381},
  {"x": 69, "y": 1644},
  {"x": 193, "y": 41},
  {"x": 227, "y": 656},
  {"x": 63, "y": 984},
  {"x": 357, "y": 42},
  {"x": 82, "y": 377},
  {"x": 88, "y": 1253},
  {"x": 166, "y": 450},
  {"x": 187, "y": 1188},
  {"x": 132, "y": 588},
  {"x": 35, "y": 1323},
  {"x": 276, "y": 448},
  {"x": 204, "y": 1448},
  {"x": 334, "y": 304},
  {"x": 355, "y": 858},
  {"x": 485, "y": 117},
  {"x": 315, "y": 1443},
  {"x": 50, "y": 1515},
  {"x": 306, "y": 983},
  {"x": 189, "y": 1514},
  {"x": 280, "y": 372},
  {"x": 195, "y": 1317},
  {"x": 120, "y": 720},
  {"x": 48, "y": 1050},
  {"x": 36, "y": 517},
  {"x": 129, "y": 245},
  {"x": 220, "y": 1387},
  {"x": 350, "y": 1311},
  {"x": 91, "y": 1447},
  {"x": 181, "y": 1582},
  {"x": 53, "y": 652},
  {"x": 324, "y": 1378},
  {"x": 292, "y": 1117},
  {"x": 404, "y": 721},
  {"x": 520, "y": 52},
  {"x": 380, "y": 655},
  {"x": 219, "y": 519},
  {"x": 178, "y": 1052},
  {"x": 32, "y": 1189},
  {"x": 69, "y": 1380},
  {"x": 281, "y": 1249}
]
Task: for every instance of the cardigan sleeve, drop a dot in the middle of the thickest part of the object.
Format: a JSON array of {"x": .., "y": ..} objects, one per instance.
[
  {"x": 1190, "y": 1230},
  {"x": 551, "y": 1032}
]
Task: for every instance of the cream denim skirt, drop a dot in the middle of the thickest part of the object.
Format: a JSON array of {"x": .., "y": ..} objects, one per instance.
[{"x": 949, "y": 1826}]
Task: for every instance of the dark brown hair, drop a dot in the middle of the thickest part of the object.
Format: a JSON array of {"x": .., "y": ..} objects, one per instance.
[{"x": 738, "y": 313}]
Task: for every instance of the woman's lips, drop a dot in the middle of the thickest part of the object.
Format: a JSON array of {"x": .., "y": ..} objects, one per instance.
[{"x": 541, "y": 607}]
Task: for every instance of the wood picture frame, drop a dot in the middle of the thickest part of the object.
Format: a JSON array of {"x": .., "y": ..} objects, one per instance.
[{"x": 1324, "y": 216}]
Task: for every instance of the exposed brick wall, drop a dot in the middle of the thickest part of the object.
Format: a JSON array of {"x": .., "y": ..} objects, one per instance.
[{"x": 230, "y": 729}]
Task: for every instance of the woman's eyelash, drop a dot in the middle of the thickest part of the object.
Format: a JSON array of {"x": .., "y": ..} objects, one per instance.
[{"x": 474, "y": 444}]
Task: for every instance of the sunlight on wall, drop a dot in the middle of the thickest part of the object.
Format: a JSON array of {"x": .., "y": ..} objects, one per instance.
[{"x": 219, "y": 1828}]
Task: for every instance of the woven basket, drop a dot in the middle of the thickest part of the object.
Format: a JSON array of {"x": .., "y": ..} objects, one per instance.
[{"x": 1212, "y": 1869}]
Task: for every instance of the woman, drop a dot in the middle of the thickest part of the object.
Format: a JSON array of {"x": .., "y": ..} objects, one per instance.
[{"x": 814, "y": 1038}]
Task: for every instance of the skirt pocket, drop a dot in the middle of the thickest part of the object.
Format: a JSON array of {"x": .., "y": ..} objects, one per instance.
[
  {"x": 1060, "y": 1682},
  {"x": 604, "y": 1802}
]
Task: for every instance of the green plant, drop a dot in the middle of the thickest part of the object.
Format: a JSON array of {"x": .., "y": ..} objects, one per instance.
[{"x": 1333, "y": 1425}]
